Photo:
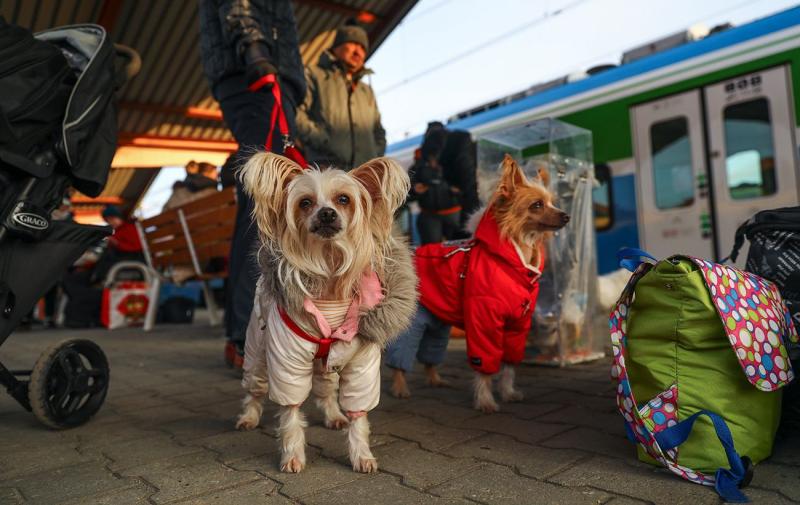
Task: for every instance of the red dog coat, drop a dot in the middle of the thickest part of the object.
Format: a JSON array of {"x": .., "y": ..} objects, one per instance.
[{"x": 484, "y": 287}]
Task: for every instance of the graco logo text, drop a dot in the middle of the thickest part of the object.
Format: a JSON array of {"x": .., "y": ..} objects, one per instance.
[{"x": 31, "y": 221}]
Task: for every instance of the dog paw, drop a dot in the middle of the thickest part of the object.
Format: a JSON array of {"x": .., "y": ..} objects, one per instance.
[
  {"x": 487, "y": 407},
  {"x": 515, "y": 395},
  {"x": 246, "y": 423},
  {"x": 336, "y": 423},
  {"x": 365, "y": 465},
  {"x": 400, "y": 391},
  {"x": 294, "y": 465}
]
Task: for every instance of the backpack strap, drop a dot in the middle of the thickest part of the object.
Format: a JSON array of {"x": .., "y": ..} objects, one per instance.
[{"x": 645, "y": 425}]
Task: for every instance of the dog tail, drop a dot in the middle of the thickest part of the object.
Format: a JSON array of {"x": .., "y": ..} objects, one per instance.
[{"x": 265, "y": 177}]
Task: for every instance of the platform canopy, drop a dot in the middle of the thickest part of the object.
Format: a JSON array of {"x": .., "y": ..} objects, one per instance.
[{"x": 167, "y": 115}]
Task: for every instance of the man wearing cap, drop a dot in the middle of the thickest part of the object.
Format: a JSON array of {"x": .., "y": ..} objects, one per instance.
[{"x": 338, "y": 123}]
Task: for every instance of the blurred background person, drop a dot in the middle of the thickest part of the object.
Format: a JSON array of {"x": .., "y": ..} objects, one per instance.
[
  {"x": 338, "y": 122},
  {"x": 246, "y": 46},
  {"x": 200, "y": 181}
]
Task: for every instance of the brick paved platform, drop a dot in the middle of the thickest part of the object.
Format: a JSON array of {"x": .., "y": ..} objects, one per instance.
[{"x": 165, "y": 435}]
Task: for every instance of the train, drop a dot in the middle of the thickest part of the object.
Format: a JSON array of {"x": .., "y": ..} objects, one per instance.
[{"x": 692, "y": 135}]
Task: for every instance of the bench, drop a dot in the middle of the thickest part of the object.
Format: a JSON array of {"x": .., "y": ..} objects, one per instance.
[{"x": 183, "y": 240}]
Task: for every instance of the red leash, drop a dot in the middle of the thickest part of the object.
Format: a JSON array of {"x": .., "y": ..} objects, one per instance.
[{"x": 279, "y": 117}]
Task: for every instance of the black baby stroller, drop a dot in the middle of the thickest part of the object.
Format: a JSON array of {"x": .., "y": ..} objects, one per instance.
[{"x": 58, "y": 128}]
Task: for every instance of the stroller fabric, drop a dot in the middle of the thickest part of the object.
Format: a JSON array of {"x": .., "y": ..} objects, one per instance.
[{"x": 36, "y": 81}]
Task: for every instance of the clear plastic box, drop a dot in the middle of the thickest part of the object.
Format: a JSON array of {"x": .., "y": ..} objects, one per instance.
[{"x": 562, "y": 331}]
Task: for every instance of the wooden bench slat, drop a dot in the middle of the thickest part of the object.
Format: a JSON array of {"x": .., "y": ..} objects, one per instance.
[
  {"x": 161, "y": 219},
  {"x": 225, "y": 215},
  {"x": 225, "y": 198}
]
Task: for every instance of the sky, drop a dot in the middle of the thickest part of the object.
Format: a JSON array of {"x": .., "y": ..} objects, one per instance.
[{"x": 448, "y": 56}]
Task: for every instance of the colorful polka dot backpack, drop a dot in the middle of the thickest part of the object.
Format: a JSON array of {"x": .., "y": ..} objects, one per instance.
[{"x": 700, "y": 357}]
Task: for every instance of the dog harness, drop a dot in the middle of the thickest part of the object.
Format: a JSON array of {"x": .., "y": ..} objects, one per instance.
[{"x": 324, "y": 343}]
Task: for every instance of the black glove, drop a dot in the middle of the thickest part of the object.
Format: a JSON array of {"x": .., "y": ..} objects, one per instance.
[{"x": 257, "y": 63}]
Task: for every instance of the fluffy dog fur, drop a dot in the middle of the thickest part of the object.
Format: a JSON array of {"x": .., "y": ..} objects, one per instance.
[
  {"x": 307, "y": 253},
  {"x": 526, "y": 215}
]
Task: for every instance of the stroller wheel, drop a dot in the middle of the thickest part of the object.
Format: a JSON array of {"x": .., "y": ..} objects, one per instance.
[{"x": 69, "y": 383}]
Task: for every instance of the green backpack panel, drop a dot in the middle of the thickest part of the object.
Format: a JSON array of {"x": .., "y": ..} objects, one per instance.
[{"x": 696, "y": 338}]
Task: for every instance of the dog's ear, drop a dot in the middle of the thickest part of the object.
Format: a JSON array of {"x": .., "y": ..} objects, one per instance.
[
  {"x": 544, "y": 177},
  {"x": 265, "y": 177},
  {"x": 385, "y": 180},
  {"x": 512, "y": 177}
]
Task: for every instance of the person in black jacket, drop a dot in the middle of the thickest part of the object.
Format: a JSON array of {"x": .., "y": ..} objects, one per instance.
[
  {"x": 242, "y": 42},
  {"x": 444, "y": 184}
]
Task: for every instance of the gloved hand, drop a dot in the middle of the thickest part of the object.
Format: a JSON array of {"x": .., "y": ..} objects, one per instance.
[{"x": 257, "y": 63}]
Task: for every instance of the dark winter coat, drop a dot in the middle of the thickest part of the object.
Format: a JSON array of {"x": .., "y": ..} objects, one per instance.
[
  {"x": 338, "y": 123},
  {"x": 228, "y": 27},
  {"x": 439, "y": 194}
]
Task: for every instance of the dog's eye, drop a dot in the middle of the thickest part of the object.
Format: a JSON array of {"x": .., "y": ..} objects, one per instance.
[
  {"x": 538, "y": 204},
  {"x": 343, "y": 199},
  {"x": 305, "y": 203}
]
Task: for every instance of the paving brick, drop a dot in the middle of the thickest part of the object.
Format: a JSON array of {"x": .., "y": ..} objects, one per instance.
[
  {"x": 624, "y": 500},
  {"x": 76, "y": 482},
  {"x": 320, "y": 474},
  {"x": 197, "y": 426},
  {"x": 156, "y": 416},
  {"x": 418, "y": 468},
  {"x": 238, "y": 445},
  {"x": 142, "y": 451},
  {"x": 188, "y": 476},
  {"x": 781, "y": 478},
  {"x": 430, "y": 435},
  {"x": 494, "y": 484},
  {"x": 530, "y": 460},
  {"x": 10, "y": 496},
  {"x": 37, "y": 458},
  {"x": 763, "y": 496},
  {"x": 608, "y": 422},
  {"x": 261, "y": 492},
  {"x": 437, "y": 411},
  {"x": 636, "y": 480},
  {"x": 377, "y": 488},
  {"x": 137, "y": 494},
  {"x": 333, "y": 443},
  {"x": 530, "y": 408},
  {"x": 586, "y": 439},
  {"x": 521, "y": 429}
]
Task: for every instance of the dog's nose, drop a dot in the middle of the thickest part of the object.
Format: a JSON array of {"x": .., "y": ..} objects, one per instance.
[
  {"x": 327, "y": 215},
  {"x": 565, "y": 218}
]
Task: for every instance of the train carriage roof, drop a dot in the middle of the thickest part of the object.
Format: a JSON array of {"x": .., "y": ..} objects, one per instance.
[{"x": 615, "y": 79}]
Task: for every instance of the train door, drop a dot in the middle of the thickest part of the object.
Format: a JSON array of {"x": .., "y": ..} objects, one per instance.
[
  {"x": 752, "y": 149},
  {"x": 671, "y": 176}
]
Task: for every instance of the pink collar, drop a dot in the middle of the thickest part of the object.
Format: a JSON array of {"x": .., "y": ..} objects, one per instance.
[{"x": 370, "y": 294}]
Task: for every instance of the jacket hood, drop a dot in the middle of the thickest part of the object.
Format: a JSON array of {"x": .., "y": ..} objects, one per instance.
[
  {"x": 488, "y": 233},
  {"x": 328, "y": 61}
]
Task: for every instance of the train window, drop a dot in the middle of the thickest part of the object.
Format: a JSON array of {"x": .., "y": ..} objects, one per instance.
[
  {"x": 672, "y": 163},
  {"x": 750, "y": 162},
  {"x": 601, "y": 198}
]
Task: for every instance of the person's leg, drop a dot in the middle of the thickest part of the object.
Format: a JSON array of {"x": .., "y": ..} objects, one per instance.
[
  {"x": 450, "y": 225},
  {"x": 433, "y": 348},
  {"x": 400, "y": 353},
  {"x": 429, "y": 227},
  {"x": 247, "y": 115}
]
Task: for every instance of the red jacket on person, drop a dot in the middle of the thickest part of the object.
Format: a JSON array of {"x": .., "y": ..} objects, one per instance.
[{"x": 488, "y": 291}]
